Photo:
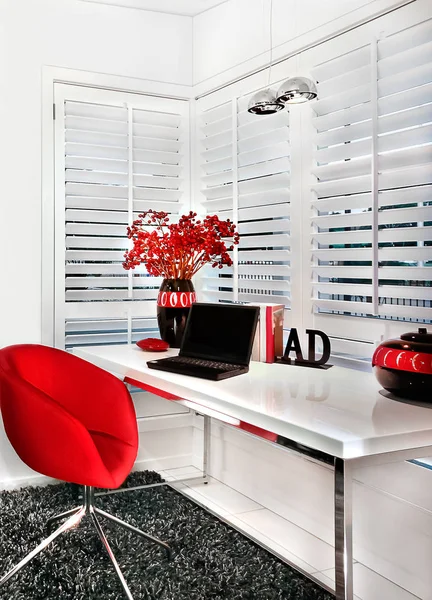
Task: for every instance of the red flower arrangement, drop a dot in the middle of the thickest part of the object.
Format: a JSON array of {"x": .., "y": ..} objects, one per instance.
[{"x": 179, "y": 250}]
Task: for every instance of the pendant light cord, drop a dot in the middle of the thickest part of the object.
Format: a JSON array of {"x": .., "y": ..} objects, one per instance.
[{"x": 271, "y": 42}]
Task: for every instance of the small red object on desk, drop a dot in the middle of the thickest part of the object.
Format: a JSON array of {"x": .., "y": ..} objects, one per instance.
[{"x": 153, "y": 345}]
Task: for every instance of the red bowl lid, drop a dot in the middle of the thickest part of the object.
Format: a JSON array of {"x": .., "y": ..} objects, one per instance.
[
  {"x": 153, "y": 345},
  {"x": 400, "y": 359}
]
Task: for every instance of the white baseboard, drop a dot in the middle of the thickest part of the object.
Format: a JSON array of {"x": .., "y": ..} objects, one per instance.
[{"x": 29, "y": 481}]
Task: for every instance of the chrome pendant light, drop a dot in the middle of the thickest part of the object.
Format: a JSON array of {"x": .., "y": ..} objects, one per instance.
[
  {"x": 296, "y": 90},
  {"x": 264, "y": 103},
  {"x": 293, "y": 91}
]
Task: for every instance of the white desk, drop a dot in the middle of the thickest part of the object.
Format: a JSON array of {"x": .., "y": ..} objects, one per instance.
[{"x": 338, "y": 416}]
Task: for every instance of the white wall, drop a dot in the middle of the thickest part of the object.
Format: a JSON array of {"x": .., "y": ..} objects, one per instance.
[
  {"x": 77, "y": 35},
  {"x": 234, "y": 38}
]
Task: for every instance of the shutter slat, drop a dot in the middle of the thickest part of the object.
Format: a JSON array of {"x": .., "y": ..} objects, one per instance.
[
  {"x": 392, "y": 141},
  {"x": 253, "y": 284},
  {"x": 405, "y": 60},
  {"x": 265, "y": 139},
  {"x": 98, "y": 152},
  {"x": 112, "y": 204},
  {"x": 152, "y": 117},
  {"x": 274, "y": 225},
  {"x": 361, "y": 272},
  {"x": 257, "y": 127},
  {"x": 263, "y": 154},
  {"x": 281, "y": 209},
  {"x": 217, "y": 140},
  {"x": 108, "y": 294},
  {"x": 216, "y": 114},
  {"x": 111, "y": 325},
  {"x": 96, "y": 125},
  {"x": 385, "y": 291},
  {"x": 95, "y": 229},
  {"x": 405, "y": 254},
  {"x": 146, "y": 143},
  {"x": 112, "y": 282},
  {"x": 219, "y": 153},
  {"x": 350, "y": 79},
  {"x": 405, "y": 80},
  {"x": 267, "y": 255},
  {"x": 95, "y": 255},
  {"x": 217, "y": 166},
  {"x": 96, "y": 138},
  {"x": 216, "y": 127},
  {"x": 260, "y": 241},
  {"x": 94, "y": 268},
  {"x": 332, "y": 68},
  {"x": 120, "y": 166},
  {"x": 108, "y": 310},
  {"x": 95, "y": 216},
  {"x": 156, "y": 132},
  {"x": 248, "y": 297},
  {"x": 405, "y": 40},
  {"x": 97, "y": 111},
  {"x": 399, "y": 234}
]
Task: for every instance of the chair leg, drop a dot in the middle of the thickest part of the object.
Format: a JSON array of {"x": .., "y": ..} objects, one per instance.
[
  {"x": 71, "y": 522},
  {"x": 61, "y": 516},
  {"x": 147, "y": 536},
  {"x": 111, "y": 555}
]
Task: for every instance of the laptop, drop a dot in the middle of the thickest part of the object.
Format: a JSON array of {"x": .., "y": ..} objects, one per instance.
[{"x": 217, "y": 342}]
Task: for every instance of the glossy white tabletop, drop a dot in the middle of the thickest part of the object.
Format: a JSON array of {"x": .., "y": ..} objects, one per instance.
[{"x": 339, "y": 411}]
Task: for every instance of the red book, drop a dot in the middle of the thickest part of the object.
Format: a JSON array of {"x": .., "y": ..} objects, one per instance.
[{"x": 268, "y": 342}]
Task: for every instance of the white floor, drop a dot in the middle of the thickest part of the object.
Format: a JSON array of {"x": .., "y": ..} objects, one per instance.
[{"x": 300, "y": 548}]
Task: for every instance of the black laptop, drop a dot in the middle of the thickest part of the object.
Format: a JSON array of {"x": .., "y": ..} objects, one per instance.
[{"x": 217, "y": 342}]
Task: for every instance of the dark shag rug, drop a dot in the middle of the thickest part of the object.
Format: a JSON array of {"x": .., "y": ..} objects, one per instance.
[{"x": 211, "y": 560}]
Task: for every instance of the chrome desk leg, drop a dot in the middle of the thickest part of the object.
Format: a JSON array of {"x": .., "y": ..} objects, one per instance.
[
  {"x": 207, "y": 445},
  {"x": 343, "y": 530}
]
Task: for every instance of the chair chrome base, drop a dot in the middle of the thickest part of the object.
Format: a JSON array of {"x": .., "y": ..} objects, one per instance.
[{"x": 74, "y": 517}]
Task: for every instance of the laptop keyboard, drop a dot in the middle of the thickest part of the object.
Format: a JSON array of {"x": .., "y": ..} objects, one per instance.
[{"x": 210, "y": 364}]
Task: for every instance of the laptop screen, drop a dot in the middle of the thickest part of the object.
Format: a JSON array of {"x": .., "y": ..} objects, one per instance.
[{"x": 222, "y": 332}]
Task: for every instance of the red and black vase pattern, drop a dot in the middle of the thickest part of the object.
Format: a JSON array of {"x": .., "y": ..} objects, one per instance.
[
  {"x": 404, "y": 366},
  {"x": 175, "y": 298}
]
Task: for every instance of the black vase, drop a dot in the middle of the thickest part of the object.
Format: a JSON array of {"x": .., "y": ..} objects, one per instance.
[{"x": 174, "y": 301}]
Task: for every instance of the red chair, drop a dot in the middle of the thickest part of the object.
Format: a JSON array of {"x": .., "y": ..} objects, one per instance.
[{"x": 73, "y": 421}]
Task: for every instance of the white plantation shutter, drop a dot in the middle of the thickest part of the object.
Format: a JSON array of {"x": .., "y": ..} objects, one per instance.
[
  {"x": 245, "y": 168},
  {"x": 372, "y": 200},
  {"x": 122, "y": 155}
]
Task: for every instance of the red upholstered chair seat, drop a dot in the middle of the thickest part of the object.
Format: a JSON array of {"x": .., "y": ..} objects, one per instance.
[{"x": 67, "y": 418}]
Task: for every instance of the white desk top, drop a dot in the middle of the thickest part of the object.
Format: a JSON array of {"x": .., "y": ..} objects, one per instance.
[{"x": 339, "y": 411}]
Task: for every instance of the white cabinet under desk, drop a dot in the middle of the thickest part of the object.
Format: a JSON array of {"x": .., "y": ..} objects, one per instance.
[{"x": 337, "y": 417}]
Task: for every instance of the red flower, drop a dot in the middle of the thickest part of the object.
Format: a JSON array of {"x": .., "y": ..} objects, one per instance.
[{"x": 179, "y": 250}]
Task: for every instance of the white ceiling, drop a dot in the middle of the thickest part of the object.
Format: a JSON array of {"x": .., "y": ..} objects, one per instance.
[{"x": 177, "y": 7}]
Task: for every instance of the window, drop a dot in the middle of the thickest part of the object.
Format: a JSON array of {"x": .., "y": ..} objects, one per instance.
[
  {"x": 117, "y": 155},
  {"x": 245, "y": 164},
  {"x": 372, "y": 201},
  {"x": 362, "y": 269}
]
